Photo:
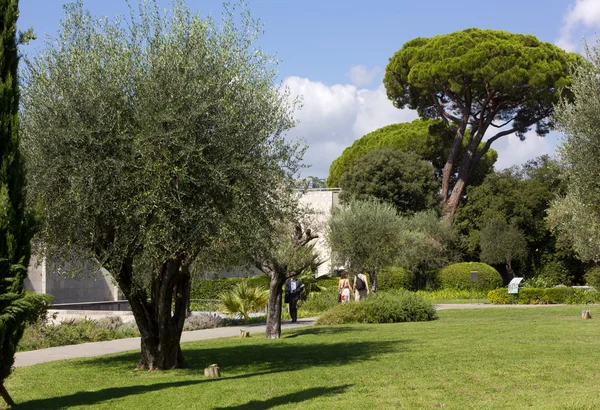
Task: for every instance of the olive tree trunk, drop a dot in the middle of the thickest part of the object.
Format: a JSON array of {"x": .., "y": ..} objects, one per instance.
[
  {"x": 159, "y": 326},
  {"x": 274, "y": 306}
]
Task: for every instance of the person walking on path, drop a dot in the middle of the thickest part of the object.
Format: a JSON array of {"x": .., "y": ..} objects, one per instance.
[
  {"x": 361, "y": 285},
  {"x": 293, "y": 289},
  {"x": 344, "y": 288}
]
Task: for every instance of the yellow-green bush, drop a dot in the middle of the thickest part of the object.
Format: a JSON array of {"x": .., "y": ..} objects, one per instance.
[
  {"x": 383, "y": 307},
  {"x": 545, "y": 296},
  {"x": 458, "y": 276},
  {"x": 395, "y": 278}
]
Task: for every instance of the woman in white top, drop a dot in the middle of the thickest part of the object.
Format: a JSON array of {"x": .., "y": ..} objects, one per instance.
[{"x": 344, "y": 288}]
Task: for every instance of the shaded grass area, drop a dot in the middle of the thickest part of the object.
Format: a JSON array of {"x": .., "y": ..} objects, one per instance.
[{"x": 541, "y": 358}]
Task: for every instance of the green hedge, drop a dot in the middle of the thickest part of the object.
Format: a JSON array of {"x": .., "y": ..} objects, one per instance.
[
  {"x": 458, "y": 276},
  {"x": 395, "y": 278},
  {"x": 211, "y": 288},
  {"x": 383, "y": 307},
  {"x": 544, "y": 296}
]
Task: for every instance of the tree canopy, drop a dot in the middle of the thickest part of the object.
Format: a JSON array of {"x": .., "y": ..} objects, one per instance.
[
  {"x": 397, "y": 177},
  {"x": 430, "y": 139},
  {"x": 364, "y": 234},
  {"x": 576, "y": 217},
  {"x": 519, "y": 195},
  {"x": 476, "y": 79},
  {"x": 153, "y": 142}
]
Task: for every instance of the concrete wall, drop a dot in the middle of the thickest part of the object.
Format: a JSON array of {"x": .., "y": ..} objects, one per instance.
[{"x": 91, "y": 286}]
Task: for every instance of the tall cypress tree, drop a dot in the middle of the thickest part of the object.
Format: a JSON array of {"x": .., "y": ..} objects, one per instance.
[{"x": 16, "y": 225}]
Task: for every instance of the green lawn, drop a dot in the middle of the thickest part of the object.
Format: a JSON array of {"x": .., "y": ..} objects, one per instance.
[{"x": 540, "y": 358}]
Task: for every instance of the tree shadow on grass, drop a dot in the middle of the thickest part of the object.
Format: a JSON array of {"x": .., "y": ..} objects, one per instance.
[
  {"x": 247, "y": 359},
  {"x": 297, "y": 397},
  {"x": 252, "y": 356},
  {"x": 329, "y": 330},
  {"x": 89, "y": 398}
]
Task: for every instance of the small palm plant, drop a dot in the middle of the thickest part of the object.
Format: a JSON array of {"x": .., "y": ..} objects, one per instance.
[{"x": 243, "y": 300}]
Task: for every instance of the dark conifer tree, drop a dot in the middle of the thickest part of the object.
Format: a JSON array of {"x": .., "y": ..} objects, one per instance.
[{"x": 16, "y": 225}]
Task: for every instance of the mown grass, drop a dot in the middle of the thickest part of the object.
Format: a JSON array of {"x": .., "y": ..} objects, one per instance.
[{"x": 539, "y": 358}]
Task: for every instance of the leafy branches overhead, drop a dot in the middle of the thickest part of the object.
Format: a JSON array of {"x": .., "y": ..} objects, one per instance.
[
  {"x": 153, "y": 142},
  {"x": 576, "y": 218},
  {"x": 476, "y": 80}
]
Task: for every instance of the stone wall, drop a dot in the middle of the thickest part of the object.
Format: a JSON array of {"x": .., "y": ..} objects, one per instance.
[{"x": 321, "y": 202}]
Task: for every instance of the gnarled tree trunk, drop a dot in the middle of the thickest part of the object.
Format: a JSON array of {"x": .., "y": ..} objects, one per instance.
[
  {"x": 274, "y": 306},
  {"x": 159, "y": 326}
]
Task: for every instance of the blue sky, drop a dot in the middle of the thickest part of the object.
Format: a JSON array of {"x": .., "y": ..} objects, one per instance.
[{"x": 334, "y": 52}]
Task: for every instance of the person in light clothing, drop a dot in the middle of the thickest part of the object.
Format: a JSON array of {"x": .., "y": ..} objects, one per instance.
[
  {"x": 361, "y": 285},
  {"x": 344, "y": 288}
]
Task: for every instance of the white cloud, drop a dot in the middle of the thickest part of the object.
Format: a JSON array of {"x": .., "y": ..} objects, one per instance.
[
  {"x": 581, "y": 14},
  {"x": 361, "y": 75},
  {"x": 512, "y": 151},
  {"x": 332, "y": 117}
]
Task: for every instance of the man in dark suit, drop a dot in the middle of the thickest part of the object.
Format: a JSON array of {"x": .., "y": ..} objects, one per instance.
[{"x": 293, "y": 290}]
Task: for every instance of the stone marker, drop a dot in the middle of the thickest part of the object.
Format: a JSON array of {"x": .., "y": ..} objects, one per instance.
[
  {"x": 244, "y": 333},
  {"x": 586, "y": 314},
  {"x": 212, "y": 371}
]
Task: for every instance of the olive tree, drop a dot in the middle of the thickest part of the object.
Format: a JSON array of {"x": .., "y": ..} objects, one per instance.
[
  {"x": 290, "y": 248},
  {"x": 502, "y": 242},
  {"x": 153, "y": 142},
  {"x": 364, "y": 234},
  {"x": 478, "y": 81},
  {"x": 576, "y": 217}
]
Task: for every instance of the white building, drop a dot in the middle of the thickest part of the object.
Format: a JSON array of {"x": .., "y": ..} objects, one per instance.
[{"x": 97, "y": 285}]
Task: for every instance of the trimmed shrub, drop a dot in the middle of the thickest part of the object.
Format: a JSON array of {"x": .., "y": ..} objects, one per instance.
[
  {"x": 458, "y": 276},
  {"x": 451, "y": 294},
  {"x": 592, "y": 277},
  {"x": 547, "y": 296},
  {"x": 383, "y": 307},
  {"x": 395, "y": 278}
]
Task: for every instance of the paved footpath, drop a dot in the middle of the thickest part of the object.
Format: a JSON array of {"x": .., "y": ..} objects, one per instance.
[{"x": 122, "y": 345}]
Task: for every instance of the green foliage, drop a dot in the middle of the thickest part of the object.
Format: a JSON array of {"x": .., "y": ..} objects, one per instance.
[
  {"x": 576, "y": 217},
  {"x": 395, "y": 278},
  {"x": 525, "y": 74},
  {"x": 537, "y": 296},
  {"x": 211, "y": 288},
  {"x": 519, "y": 195},
  {"x": 41, "y": 335},
  {"x": 592, "y": 277},
  {"x": 318, "y": 302},
  {"x": 364, "y": 234},
  {"x": 394, "y": 176},
  {"x": 181, "y": 127},
  {"x": 556, "y": 273},
  {"x": 426, "y": 243},
  {"x": 452, "y": 294},
  {"x": 502, "y": 242},
  {"x": 243, "y": 300},
  {"x": 476, "y": 79},
  {"x": 17, "y": 225},
  {"x": 392, "y": 307},
  {"x": 431, "y": 140},
  {"x": 458, "y": 276}
]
